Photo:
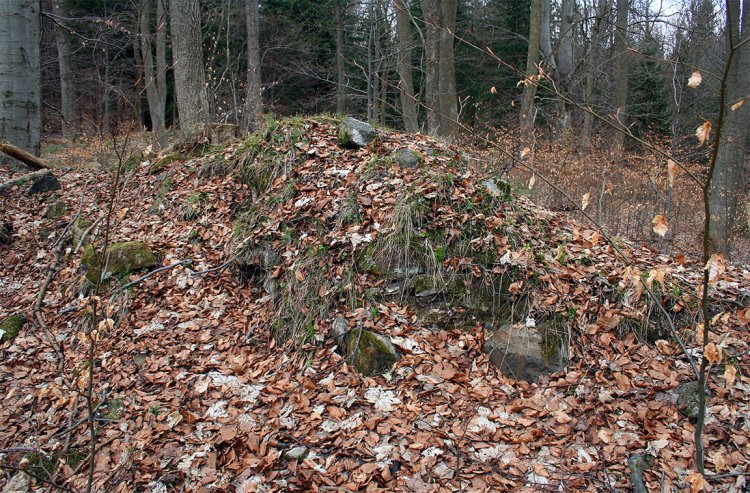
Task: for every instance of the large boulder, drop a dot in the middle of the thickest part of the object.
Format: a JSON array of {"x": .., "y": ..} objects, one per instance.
[
  {"x": 354, "y": 133},
  {"x": 524, "y": 351},
  {"x": 10, "y": 326},
  {"x": 370, "y": 353},
  {"x": 44, "y": 183},
  {"x": 124, "y": 258}
]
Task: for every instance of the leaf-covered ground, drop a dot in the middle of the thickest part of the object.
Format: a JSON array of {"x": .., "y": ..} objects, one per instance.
[{"x": 193, "y": 393}]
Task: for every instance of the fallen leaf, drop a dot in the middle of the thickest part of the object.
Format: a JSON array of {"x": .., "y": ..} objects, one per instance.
[
  {"x": 712, "y": 353},
  {"x": 671, "y": 172},
  {"x": 532, "y": 182},
  {"x": 493, "y": 90},
  {"x": 697, "y": 482},
  {"x": 703, "y": 132},
  {"x": 715, "y": 266},
  {"x": 585, "y": 201},
  {"x": 730, "y": 373},
  {"x": 525, "y": 152},
  {"x": 738, "y": 104}
]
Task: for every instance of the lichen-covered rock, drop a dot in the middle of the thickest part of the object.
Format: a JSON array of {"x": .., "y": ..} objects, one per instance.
[
  {"x": 370, "y": 353},
  {"x": 79, "y": 228},
  {"x": 354, "y": 133},
  {"x": 407, "y": 158},
  {"x": 10, "y": 327},
  {"x": 525, "y": 352},
  {"x": 44, "y": 183},
  {"x": 688, "y": 395},
  {"x": 55, "y": 210},
  {"x": 124, "y": 258}
]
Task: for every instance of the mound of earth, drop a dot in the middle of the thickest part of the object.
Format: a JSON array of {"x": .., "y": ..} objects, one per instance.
[{"x": 372, "y": 316}]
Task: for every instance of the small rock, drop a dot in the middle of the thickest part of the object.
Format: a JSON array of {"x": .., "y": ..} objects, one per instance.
[
  {"x": 370, "y": 353},
  {"x": 502, "y": 190},
  {"x": 45, "y": 183},
  {"x": 296, "y": 453},
  {"x": 124, "y": 258},
  {"x": 19, "y": 483},
  {"x": 339, "y": 327},
  {"x": 6, "y": 233},
  {"x": 10, "y": 327},
  {"x": 55, "y": 210},
  {"x": 79, "y": 228},
  {"x": 687, "y": 399},
  {"x": 525, "y": 353},
  {"x": 354, "y": 133},
  {"x": 407, "y": 158}
]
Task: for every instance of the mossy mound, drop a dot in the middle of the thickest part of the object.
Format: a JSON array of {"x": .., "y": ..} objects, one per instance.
[
  {"x": 124, "y": 258},
  {"x": 11, "y": 326},
  {"x": 370, "y": 353}
]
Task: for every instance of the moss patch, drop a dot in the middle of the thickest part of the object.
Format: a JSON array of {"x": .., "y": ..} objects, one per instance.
[
  {"x": 368, "y": 352},
  {"x": 124, "y": 258},
  {"x": 10, "y": 327}
]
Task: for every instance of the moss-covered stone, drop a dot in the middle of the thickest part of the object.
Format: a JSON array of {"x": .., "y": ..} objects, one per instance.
[
  {"x": 79, "y": 228},
  {"x": 370, "y": 353},
  {"x": 55, "y": 210},
  {"x": 354, "y": 133},
  {"x": 688, "y": 397},
  {"x": 6, "y": 233},
  {"x": 124, "y": 258},
  {"x": 163, "y": 163},
  {"x": 407, "y": 158},
  {"x": 10, "y": 327}
]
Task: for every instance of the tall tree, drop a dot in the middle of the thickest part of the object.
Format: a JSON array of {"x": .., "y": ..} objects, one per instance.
[
  {"x": 728, "y": 184},
  {"x": 20, "y": 115},
  {"x": 155, "y": 75},
  {"x": 189, "y": 73},
  {"x": 620, "y": 53},
  {"x": 565, "y": 61},
  {"x": 339, "y": 8},
  {"x": 253, "y": 97},
  {"x": 447, "y": 85},
  {"x": 406, "y": 81},
  {"x": 603, "y": 9},
  {"x": 532, "y": 62},
  {"x": 68, "y": 92},
  {"x": 431, "y": 13}
]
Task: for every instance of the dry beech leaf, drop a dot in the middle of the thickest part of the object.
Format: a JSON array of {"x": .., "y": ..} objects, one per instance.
[
  {"x": 696, "y": 481},
  {"x": 712, "y": 353},
  {"x": 715, "y": 266},
  {"x": 718, "y": 459},
  {"x": 525, "y": 152},
  {"x": 493, "y": 90},
  {"x": 671, "y": 172},
  {"x": 730, "y": 374},
  {"x": 738, "y": 104},
  {"x": 585, "y": 201},
  {"x": 660, "y": 225},
  {"x": 532, "y": 182},
  {"x": 695, "y": 80},
  {"x": 703, "y": 132}
]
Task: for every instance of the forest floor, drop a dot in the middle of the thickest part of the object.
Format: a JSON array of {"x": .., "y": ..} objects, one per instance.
[{"x": 191, "y": 392}]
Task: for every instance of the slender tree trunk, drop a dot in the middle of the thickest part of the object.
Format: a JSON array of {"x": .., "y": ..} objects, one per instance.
[
  {"x": 532, "y": 60},
  {"x": 68, "y": 93},
  {"x": 545, "y": 39},
  {"x": 253, "y": 98},
  {"x": 156, "y": 87},
  {"x": 565, "y": 62},
  {"x": 20, "y": 115},
  {"x": 189, "y": 73},
  {"x": 728, "y": 184},
  {"x": 594, "y": 59},
  {"x": 621, "y": 71},
  {"x": 340, "y": 72},
  {"x": 406, "y": 82},
  {"x": 447, "y": 84},
  {"x": 431, "y": 13}
]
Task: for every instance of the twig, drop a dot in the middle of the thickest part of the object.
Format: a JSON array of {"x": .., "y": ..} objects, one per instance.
[
  {"x": 220, "y": 268},
  {"x": 146, "y": 276}
]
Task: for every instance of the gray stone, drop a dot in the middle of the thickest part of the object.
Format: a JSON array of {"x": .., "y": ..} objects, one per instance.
[
  {"x": 6, "y": 233},
  {"x": 500, "y": 191},
  {"x": 407, "y": 158},
  {"x": 296, "y": 453},
  {"x": 55, "y": 210},
  {"x": 339, "y": 327},
  {"x": 525, "y": 353},
  {"x": 687, "y": 399},
  {"x": 124, "y": 257},
  {"x": 354, "y": 133},
  {"x": 44, "y": 183},
  {"x": 370, "y": 353}
]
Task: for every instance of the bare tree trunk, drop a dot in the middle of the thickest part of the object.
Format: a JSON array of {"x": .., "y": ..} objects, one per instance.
[
  {"x": 595, "y": 54},
  {"x": 406, "y": 82},
  {"x": 340, "y": 72},
  {"x": 68, "y": 93},
  {"x": 431, "y": 13},
  {"x": 621, "y": 71},
  {"x": 447, "y": 85},
  {"x": 253, "y": 98},
  {"x": 728, "y": 184},
  {"x": 189, "y": 73},
  {"x": 20, "y": 115},
  {"x": 565, "y": 62},
  {"x": 545, "y": 39},
  {"x": 532, "y": 60},
  {"x": 156, "y": 84}
]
